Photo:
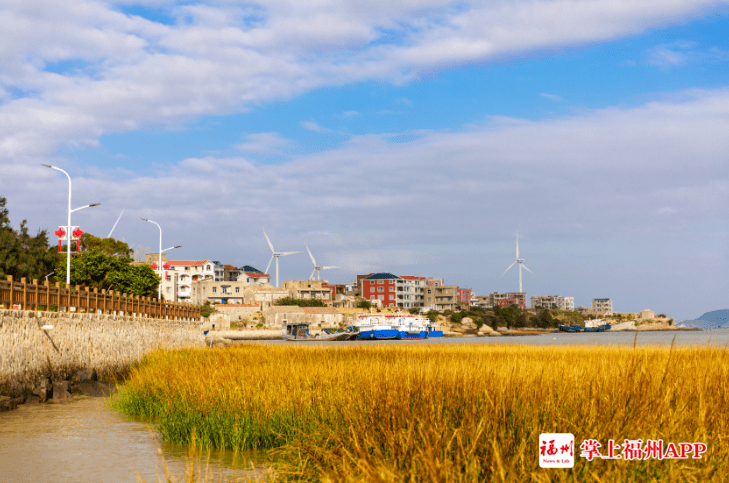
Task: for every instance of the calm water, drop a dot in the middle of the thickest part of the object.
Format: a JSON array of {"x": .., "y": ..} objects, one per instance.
[
  {"x": 82, "y": 440},
  {"x": 714, "y": 337}
]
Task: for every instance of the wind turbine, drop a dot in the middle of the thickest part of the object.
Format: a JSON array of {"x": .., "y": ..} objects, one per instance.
[
  {"x": 275, "y": 254},
  {"x": 520, "y": 261},
  {"x": 317, "y": 268}
]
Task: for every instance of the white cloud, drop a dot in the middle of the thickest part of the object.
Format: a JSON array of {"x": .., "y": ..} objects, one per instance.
[
  {"x": 128, "y": 72},
  {"x": 348, "y": 114},
  {"x": 551, "y": 97},
  {"x": 264, "y": 143},
  {"x": 314, "y": 127}
]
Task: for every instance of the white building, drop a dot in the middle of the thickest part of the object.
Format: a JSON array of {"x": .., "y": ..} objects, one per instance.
[
  {"x": 410, "y": 291},
  {"x": 178, "y": 275},
  {"x": 552, "y": 302},
  {"x": 602, "y": 306}
]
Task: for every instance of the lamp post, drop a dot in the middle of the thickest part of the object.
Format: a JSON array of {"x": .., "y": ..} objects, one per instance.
[
  {"x": 159, "y": 289},
  {"x": 68, "y": 228}
]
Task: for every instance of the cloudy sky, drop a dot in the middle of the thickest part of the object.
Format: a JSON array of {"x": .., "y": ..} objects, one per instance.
[{"x": 415, "y": 137}]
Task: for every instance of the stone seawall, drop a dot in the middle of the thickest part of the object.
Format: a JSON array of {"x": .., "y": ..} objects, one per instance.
[{"x": 104, "y": 344}]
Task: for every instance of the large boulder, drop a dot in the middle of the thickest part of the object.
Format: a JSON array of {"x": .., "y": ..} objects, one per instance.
[
  {"x": 494, "y": 334},
  {"x": 60, "y": 391},
  {"x": 468, "y": 323},
  {"x": 485, "y": 330}
]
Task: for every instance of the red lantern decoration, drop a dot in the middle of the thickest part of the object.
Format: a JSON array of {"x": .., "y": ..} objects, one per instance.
[
  {"x": 77, "y": 233},
  {"x": 153, "y": 266},
  {"x": 59, "y": 233},
  {"x": 166, "y": 266}
]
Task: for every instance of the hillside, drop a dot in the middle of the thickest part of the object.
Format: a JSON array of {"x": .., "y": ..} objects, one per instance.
[{"x": 709, "y": 320}]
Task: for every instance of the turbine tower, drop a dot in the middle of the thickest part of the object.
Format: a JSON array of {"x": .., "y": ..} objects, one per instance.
[
  {"x": 317, "y": 268},
  {"x": 275, "y": 254},
  {"x": 520, "y": 261}
]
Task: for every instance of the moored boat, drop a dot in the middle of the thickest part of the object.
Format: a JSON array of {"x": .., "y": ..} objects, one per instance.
[{"x": 300, "y": 333}]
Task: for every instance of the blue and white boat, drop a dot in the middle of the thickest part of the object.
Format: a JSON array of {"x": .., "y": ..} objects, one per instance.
[
  {"x": 376, "y": 327},
  {"x": 410, "y": 327},
  {"x": 395, "y": 327}
]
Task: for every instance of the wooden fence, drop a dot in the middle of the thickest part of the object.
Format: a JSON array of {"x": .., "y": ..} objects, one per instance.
[{"x": 34, "y": 296}]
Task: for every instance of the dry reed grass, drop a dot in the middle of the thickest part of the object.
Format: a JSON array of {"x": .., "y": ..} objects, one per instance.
[{"x": 440, "y": 414}]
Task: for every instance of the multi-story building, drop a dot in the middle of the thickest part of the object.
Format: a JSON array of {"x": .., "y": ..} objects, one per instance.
[
  {"x": 483, "y": 301},
  {"x": 465, "y": 295},
  {"x": 602, "y": 306},
  {"x": 308, "y": 289},
  {"x": 382, "y": 287},
  {"x": 440, "y": 297},
  {"x": 178, "y": 275},
  {"x": 410, "y": 291},
  {"x": 506, "y": 299},
  {"x": 434, "y": 282},
  {"x": 231, "y": 273},
  {"x": 552, "y": 302},
  {"x": 253, "y": 275},
  {"x": 218, "y": 291}
]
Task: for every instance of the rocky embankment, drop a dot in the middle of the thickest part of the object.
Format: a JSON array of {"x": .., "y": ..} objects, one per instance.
[
  {"x": 47, "y": 355},
  {"x": 47, "y": 390}
]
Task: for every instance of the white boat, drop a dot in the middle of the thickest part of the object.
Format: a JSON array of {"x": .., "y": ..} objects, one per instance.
[{"x": 399, "y": 326}]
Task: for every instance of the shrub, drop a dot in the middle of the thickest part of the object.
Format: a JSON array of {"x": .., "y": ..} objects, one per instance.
[
  {"x": 457, "y": 317},
  {"x": 300, "y": 302},
  {"x": 206, "y": 310},
  {"x": 364, "y": 304}
]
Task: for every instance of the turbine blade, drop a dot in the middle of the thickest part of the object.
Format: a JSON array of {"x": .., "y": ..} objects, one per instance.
[
  {"x": 311, "y": 277},
  {"x": 310, "y": 255},
  {"x": 269, "y": 241},
  {"x": 324, "y": 268},
  {"x": 517, "y": 244},
  {"x": 269, "y": 264},
  {"x": 525, "y": 267},
  {"x": 288, "y": 253},
  {"x": 117, "y": 222},
  {"x": 507, "y": 269}
]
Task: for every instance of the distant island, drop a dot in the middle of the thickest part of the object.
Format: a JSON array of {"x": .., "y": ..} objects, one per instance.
[{"x": 710, "y": 320}]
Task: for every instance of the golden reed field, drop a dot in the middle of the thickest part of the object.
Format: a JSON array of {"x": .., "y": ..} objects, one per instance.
[{"x": 447, "y": 413}]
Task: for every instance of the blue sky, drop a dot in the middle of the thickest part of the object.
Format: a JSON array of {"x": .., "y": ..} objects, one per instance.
[{"x": 414, "y": 138}]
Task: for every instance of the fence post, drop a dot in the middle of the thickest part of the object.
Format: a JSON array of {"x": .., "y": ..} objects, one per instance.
[
  {"x": 47, "y": 286},
  {"x": 35, "y": 300},
  {"x": 25, "y": 292},
  {"x": 58, "y": 291},
  {"x": 12, "y": 291},
  {"x": 88, "y": 299}
]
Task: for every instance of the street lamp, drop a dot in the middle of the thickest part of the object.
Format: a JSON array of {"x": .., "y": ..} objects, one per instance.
[
  {"x": 159, "y": 289},
  {"x": 68, "y": 228}
]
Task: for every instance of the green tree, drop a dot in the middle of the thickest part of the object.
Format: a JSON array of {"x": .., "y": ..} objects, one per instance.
[
  {"x": 108, "y": 246},
  {"x": 23, "y": 255},
  {"x": 364, "y": 304},
  {"x": 207, "y": 309},
  {"x": 99, "y": 270},
  {"x": 545, "y": 319}
]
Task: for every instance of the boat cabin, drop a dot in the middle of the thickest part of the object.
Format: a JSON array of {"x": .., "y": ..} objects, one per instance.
[{"x": 295, "y": 331}]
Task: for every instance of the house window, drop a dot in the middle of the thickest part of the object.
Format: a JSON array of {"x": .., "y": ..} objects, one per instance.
[
  {"x": 237, "y": 290},
  {"x": 169, "y": 289},
  {"x": 208, "y": 267},
  {"x": 215, "y": 289},
  {"x": 381, "y": 297},
  {"x": 380, "y": 289},
  {"x": 372, "y": 297},
  {"x": 392, "y": 289},
  {"x": 380, "y": 281}
]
